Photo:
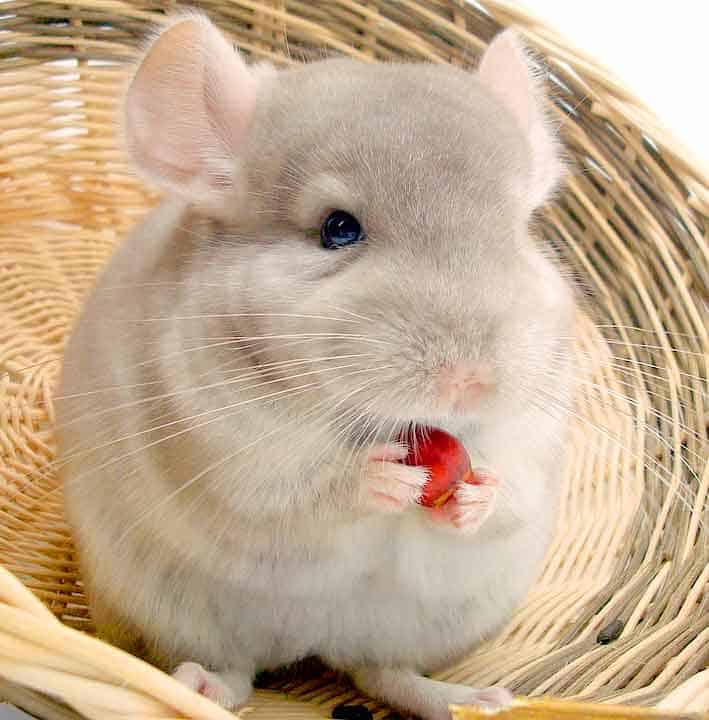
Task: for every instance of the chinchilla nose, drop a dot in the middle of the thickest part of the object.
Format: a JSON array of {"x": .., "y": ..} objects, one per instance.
[{"x": 461, "y": 385}]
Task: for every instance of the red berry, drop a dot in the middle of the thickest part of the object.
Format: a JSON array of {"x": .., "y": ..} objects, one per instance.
[{"x": 445, "y": 458}]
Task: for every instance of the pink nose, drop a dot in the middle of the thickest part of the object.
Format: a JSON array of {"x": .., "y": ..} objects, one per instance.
[{"x": 462, "y": 385}]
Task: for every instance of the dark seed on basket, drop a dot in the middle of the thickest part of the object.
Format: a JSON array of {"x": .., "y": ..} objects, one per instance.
[
  {"x": 610, "y": 632},
  {"x": 351, "y": 712}
]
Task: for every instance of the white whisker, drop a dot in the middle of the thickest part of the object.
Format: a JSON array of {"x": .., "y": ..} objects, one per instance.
[
  {"x": 72, "y": 456},
  {"x": 213, "y": 316},
  {"x": 213, "y": 466},
  {"x": 654, "y": 465},
  {"x": 635, "y": 328}
]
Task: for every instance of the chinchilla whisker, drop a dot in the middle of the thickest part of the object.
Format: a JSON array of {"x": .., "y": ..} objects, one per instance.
[
  {"x": 180, "y": 353},
  {"x": 349, "y": 312},
  {"x": 369, "y": 432},
  {"x": 330, "y": 411},
  {"x": 256, "y": 349},
  {"x": 643, "y": 388},
  {"x": 646, "y": 331},
  {"x": 171, "y": 496},
  {"x": 42, "y": 472},
  {"x": 74, "y": 454},
  {"x": 648, "y": 462},
  {"x": 361, "y": 409},
  {"x": 142, "y": 363},
  {"x": 365, "y": 415},
  {"x": 236, "y": 339},
  {"x": 215, "y": 465},
  {"x": 160, "y": 284},
  {"x": 601, "y": 390},
  {"x": 654, "y": 432},
  {"x": 128, "y": 386},
  {"x": 147, "y": 383},
  {"x": 685, "y": 498},
  {"x": 211, "y": 411},
  {"x": 624, "y": 360},
  {"x": 234, "y": 408},
  {"x": 69, "y": 454},
  {"x": 306, "y": 360},
  {"x": 213, "y": 316},
  {"x": 637, "y": 367},
  {"x": 276, "y": 365},
  {"x": 626, "y": 365},
  {"x": 646, "y": 346},
  {"x": 183, "y": 392}
]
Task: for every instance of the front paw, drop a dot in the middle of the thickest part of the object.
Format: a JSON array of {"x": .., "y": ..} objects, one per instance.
[
  {"x": 391, "y": 486},
  {"x": 471, "y": 504}
]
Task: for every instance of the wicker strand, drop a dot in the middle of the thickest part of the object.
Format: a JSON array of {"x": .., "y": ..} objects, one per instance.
[{"x": 37, "y": 651}]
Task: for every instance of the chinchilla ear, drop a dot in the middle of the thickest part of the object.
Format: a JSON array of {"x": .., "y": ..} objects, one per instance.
[
  {"x": 188, "y": 109},
  {"x": 506, "y": 71}
]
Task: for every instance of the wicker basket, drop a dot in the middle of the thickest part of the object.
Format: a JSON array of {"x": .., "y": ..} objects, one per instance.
[{"x": 633, "y": 542}]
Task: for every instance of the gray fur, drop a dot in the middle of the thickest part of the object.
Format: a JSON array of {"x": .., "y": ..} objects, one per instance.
[{"x": 275, "y": 554}]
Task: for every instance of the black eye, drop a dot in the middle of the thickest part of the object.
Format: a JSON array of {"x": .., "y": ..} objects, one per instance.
[{"x": 340, "y": 229}]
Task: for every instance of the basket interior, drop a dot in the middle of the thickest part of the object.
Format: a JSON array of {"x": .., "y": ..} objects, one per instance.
[{"x": 632, "y": 539}]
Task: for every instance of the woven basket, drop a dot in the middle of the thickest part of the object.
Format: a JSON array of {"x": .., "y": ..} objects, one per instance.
[{"x": 633, "y": 540}]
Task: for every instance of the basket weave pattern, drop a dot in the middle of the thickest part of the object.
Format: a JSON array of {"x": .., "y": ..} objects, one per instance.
[{"x": 633, "y": 540}]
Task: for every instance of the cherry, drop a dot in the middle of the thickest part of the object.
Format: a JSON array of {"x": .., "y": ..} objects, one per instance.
[{"x": 445, "y": 458}]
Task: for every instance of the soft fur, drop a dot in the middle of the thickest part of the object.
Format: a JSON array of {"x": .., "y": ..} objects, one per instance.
[{"x": 222, "y": 529}]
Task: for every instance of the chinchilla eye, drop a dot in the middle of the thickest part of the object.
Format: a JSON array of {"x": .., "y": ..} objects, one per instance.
[{"x": 340, "y": 229}]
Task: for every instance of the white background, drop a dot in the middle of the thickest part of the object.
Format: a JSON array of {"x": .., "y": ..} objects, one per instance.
[{"x": 659, "y": 50}]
